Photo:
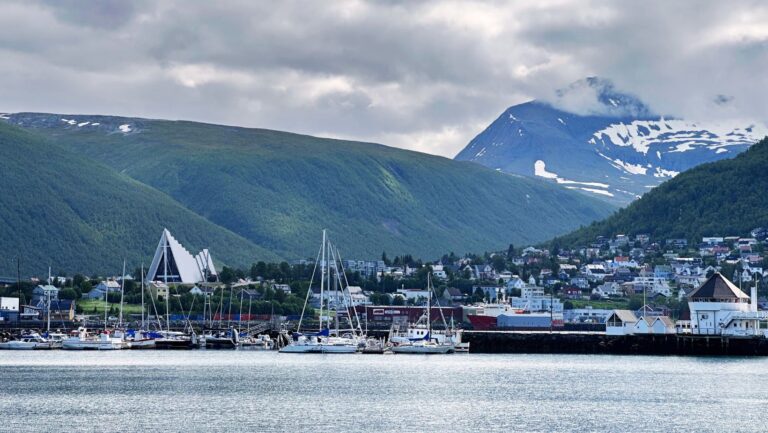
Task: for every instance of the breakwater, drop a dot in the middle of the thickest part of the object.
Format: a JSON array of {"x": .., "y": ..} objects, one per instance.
[{"x": 600, "y": 343}]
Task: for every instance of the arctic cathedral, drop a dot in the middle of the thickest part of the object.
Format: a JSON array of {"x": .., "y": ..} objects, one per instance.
[{"x": 172, "y": 263}]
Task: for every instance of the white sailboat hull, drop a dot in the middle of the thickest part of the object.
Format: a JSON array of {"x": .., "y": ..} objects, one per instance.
[
  {"x": 318, "y": 348},
  {"x": 92, "y": 345},
  {"x": 423, "y": 349},
  {"x": 141, "y": 344}
]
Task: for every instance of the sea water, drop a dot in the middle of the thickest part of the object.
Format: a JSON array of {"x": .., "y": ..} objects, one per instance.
[{"x": 230, "y": 391}]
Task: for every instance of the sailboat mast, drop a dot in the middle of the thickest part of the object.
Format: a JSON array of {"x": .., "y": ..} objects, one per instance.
[
  {"x": 142, "y": 296},
  {"x": 322, "y": 281},
  {"x": 429, "y": 307},
  {"x": 49, "y": 312},
  {"x": 122, "y": 297},
  {"x": 165, "y": 281},
  {"x": 50, "y": 281},
  {"x": 335, "y": 286}
]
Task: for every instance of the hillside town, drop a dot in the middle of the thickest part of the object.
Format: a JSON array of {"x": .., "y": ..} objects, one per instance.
[{"x": 636, "y": 279}]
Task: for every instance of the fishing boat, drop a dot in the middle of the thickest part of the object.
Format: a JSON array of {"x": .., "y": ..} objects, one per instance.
[
  {"x": 82, "y": 340},
  {"x": 325, "y": 340},
  {"x": 33, "y": 341}
]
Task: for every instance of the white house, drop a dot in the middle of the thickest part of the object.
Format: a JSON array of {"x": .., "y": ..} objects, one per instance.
[
  {"x": 108, "y": 286},
  {"x": 357, "y": 296},
  {"x": 663, "y": 325},
  {"x": 620, "y": 322},
  {"x": 607, "y": 290},
  {"x": 650, "y": 283},
  {"x": 438, "y": 271},
  {"x": 595, "y": 272},
  {"x": 516, "y": 283},
  {"x": 643, "y": 325}
]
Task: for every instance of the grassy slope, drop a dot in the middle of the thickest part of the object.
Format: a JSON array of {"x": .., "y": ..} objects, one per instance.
[
  {"x": 66, "y": 210},
  {"x": 280, "y": 189},
  {"x": 721, "y": 198}
]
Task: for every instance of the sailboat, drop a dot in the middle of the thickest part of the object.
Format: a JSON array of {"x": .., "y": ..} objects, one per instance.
[
  {"x": 418, "y": 338},
  {"x": 325, "y": 340},
  {"x": 141, "y": 338}
]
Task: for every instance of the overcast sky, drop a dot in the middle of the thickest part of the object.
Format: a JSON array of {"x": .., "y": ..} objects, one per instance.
[{"x": 425, "y": 75}]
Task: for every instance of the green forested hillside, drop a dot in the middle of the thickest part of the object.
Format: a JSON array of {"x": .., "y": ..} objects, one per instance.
[
  {"x": 723, "y": 198},
  {"x": 279, "y": 189},
  {"x": 61, "y": 209}
]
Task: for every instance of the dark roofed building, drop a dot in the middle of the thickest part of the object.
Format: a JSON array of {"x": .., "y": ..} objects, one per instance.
[{"x": 718, "y": 289}]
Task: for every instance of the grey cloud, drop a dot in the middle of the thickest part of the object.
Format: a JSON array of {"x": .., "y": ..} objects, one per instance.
[{"x": 424, "y": 75}]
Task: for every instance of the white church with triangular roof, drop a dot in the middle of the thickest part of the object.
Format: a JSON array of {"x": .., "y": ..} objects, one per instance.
[
  {"x": 718, "y": 307},
  {"x": 172, "y": 263}
]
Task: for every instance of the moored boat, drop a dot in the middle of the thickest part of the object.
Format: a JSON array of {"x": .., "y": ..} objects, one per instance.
[
  {"x": 31, "y": 341},
  {"x": 257, "y": 342},
  {"x": 228, "y": 339},
  {"x": 83, "y": 341}
]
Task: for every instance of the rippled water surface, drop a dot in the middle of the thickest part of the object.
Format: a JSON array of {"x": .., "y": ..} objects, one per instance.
[{"x": 135, "y": 391}]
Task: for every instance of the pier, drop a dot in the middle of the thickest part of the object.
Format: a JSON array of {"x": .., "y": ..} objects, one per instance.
[{"x": 598, "y": 343}]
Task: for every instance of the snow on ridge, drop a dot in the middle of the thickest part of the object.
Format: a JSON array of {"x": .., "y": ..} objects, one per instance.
[
  {"x": 127, "y": 128},
  {"x": 560, "y": 120},
  {"x": 641, "y": 134},
  {"x": 81, "y": 124}
]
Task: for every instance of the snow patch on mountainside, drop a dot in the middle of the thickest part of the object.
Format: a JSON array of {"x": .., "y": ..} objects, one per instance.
[
  {"x": 540, "y": 169},
  {"x": 592, "y": 190},
  {"x": 678, "y": 135},
  {"x": 660, "y": 172},
  {"x": 127, "y": 128},
  {"x": 625, "y": 166}
]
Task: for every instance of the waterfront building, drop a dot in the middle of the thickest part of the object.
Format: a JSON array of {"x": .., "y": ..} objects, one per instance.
[
  {"x": 718, "y": 307},
  {"x": 620, "y": 322},
  {"x": 174, "y": 264},
  {"x": 9, "y": 309},
  {"x": 586, "y": 315}
]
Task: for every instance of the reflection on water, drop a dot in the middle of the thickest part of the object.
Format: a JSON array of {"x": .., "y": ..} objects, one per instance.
[{"x": 136, "y": 391}]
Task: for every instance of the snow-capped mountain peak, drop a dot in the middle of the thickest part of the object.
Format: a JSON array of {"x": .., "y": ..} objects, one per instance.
[{"x": 604, "y": 142}]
